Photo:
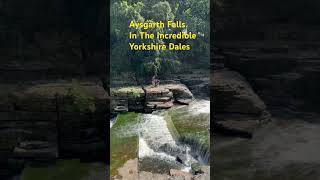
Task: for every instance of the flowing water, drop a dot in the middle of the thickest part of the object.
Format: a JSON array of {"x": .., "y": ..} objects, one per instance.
[
  {"x": 194, "y": 119},
  {"x": 112, "y": 121},
  {"x": 199, "y": 107},
  {"x": 159, "y": 149}
]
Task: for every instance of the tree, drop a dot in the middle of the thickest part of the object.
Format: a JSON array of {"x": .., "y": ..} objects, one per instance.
[{"x": 159, "y": 63}]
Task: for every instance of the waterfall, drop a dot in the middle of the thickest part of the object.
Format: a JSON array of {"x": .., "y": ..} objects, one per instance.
[
  {"x": 112, "y": 121},
  {"x": 155, "y": 132},
  {"x": 189, "y": 160},
  {"x": 146, "y": 151},
  {"x": 198, "y": 113},
  {"x": 199, "y": 107},
  {"x": 157, "y": 143},
  {"x": 160, "y": 148}
]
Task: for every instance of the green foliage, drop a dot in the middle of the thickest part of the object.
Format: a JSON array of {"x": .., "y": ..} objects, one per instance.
[
  {"x": 195, "y": 13},
  {"x": 162, "y": 11},
  {"x": 152, "y": 66},
  {"x": 135, "y": 93},
  {"x": 80, "y": 100}
]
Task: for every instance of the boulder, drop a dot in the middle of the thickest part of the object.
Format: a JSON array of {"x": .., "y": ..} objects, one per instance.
[
  {"x": 44, "y": 97},
  {"x": 205, "y": 175},
  {"x": 160, "y": 97},
  {"x": 196, "y": 168},
  {"x": 30, "y": 122},
  {"x": 238, "y": 109},
  {"x": 233, "y": 94},
  {"x": 180, "y": 91}
]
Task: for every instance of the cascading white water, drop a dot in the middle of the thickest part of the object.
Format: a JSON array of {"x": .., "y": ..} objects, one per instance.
[
  {"x": 154, "y": 131},
  {"x": 112, "y": 121},
  {"x": 158, "y": 151},
  {"x": 196, "y": 114},
  {"x": 189, "y": 160},
  {"x": 154, "y": 134},
  {"x": 145, "y": 151},
  {"x": 199, "y": 107}
]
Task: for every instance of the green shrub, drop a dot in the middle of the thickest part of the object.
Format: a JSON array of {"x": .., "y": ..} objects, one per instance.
[{"x": 80, "y": 101}]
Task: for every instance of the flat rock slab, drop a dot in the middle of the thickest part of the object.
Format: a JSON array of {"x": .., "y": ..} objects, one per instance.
[
  {"x": 51, "y": 89},
  {"x": 160, "y": 97},
  {"x": 41, "y": 97},
  {"x": 47, "y": 153},
  {"x": 181, "y": 174},
  {"x": 129, "y": 171}
]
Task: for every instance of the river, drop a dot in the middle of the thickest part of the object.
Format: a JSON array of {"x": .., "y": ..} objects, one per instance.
[{"x": 159, "y": 148}]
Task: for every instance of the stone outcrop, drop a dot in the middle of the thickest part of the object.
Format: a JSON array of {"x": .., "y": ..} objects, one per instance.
[
  {"x": 160, "y": 97},
  {"x": 276, "y": 51},
  {"x": 235, "y": 104},
  {"x": 43, "y": 42},
  {"x": 198, "y": 82},
  {"x": 232, "y": 93},
  {"x": 130, "y": 172},
  {"x": 38, "y": 124}
]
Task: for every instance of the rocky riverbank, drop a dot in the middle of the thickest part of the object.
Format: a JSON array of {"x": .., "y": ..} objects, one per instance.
[
  {"x": 130, "y": 172},
  {"x": 266, "y": 60},
  {"x": 43, "y": 121},
  {"x": 167, "y": 128},
  {"x": 148, "y": 99},
  {"x": 235, "y": 105}
]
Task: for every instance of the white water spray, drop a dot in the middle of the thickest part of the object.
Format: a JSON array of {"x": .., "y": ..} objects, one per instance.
[
  {"x": 199, "y": 107},
  {"x": 146, "y": 151}
]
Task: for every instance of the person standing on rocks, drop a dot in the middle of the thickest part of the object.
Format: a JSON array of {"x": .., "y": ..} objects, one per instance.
[{"x": 155, "y": 82}]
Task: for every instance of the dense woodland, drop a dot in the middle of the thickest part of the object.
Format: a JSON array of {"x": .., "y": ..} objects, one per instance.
[{"x": 145, "y": 64}]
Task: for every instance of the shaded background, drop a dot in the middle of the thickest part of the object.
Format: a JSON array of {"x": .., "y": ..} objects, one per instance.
[
  {"x": 53, "y": 70},
  {"x": 265, "y": 78}
]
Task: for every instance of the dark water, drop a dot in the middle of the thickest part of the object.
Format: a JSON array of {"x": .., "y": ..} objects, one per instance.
[{"x": 280, "y": 150}]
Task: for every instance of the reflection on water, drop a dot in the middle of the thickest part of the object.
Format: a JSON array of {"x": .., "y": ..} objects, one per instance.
[{"x": 281, "y": 150}]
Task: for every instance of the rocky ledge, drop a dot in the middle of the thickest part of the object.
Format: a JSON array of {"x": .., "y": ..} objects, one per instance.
[
  {"x": 148, "y": 99},
  {"x": 236, "y": 106},
  {"x": 43, "y": 121},
  {"x": 130, "y": 172}
]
